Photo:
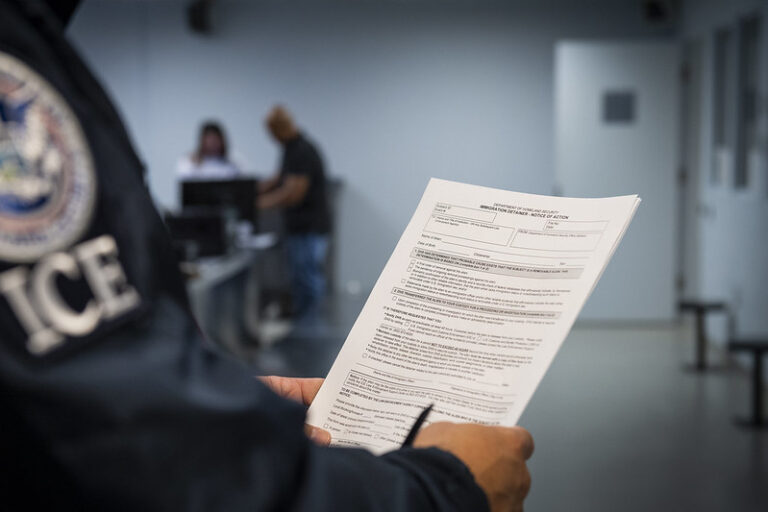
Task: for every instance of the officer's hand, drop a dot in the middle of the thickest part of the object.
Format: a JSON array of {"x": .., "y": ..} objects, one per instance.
[
  {"x": 302, "y": 391},
  {"x": 495, "y": 455}
]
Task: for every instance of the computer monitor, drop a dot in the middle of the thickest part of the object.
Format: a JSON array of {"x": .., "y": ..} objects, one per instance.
[
  {"x": 238, "y": 194},
  {"x": 197, "y": 233}
]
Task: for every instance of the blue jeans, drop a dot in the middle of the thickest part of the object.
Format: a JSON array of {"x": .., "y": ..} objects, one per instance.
[{"x": 306, "y": 259}]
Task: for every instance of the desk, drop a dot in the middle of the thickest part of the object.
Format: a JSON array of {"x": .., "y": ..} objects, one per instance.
[
  {"x": 220, "y": 302},
  {"x": 224, "y": 295}
]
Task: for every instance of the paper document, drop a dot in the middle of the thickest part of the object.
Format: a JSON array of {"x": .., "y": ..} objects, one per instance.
[{"x": 469, "y": 311}]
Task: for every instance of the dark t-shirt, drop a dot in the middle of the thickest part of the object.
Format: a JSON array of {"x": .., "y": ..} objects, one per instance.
[{"x": 311, "y": 215}]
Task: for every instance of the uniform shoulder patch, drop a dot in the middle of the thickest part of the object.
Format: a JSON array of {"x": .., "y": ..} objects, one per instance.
[
  {"x": 59, "y": 287},
  {"x": 47, "y": 178}
]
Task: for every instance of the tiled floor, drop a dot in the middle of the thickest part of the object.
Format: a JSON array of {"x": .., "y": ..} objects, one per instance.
[{"x": 618, "y": 425}]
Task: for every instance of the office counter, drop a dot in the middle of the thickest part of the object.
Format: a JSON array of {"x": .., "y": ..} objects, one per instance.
[{"x": 224, "y": 294}]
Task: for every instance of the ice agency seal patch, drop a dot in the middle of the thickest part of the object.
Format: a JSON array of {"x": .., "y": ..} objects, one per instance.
[{"x": 47, "y": 179}]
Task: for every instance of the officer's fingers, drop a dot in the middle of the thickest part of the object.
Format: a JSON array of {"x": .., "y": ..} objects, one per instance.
[
  {"x": 284, "y": 387},
  {"x": 299, "y": 390},
  {"x": 266, "y": 380},
  {"x": 522, "y": 441},
  {"x": 309, "y": 389},
  {"x": 270, "y": 381},
  {"x": 318, "y": 435}
]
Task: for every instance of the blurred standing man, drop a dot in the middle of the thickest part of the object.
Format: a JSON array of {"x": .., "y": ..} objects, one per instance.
[{"x": 299, "y": 188}]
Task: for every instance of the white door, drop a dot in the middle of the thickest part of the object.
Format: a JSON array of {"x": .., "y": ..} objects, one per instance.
[{"x": 616, "y": 121}]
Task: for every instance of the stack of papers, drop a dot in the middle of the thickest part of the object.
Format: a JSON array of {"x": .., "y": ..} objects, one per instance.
[{"x": 471, "y": 308}]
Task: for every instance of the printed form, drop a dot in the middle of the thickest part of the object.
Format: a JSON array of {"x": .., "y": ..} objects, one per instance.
[{"x": 472, "y": 306}]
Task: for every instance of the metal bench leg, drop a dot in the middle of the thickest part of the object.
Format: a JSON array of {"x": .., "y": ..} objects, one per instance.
[
  {"x": 756, "y": 420},
  {"x": 757, "y": 390},
  {"x": 701, "y": 343}
]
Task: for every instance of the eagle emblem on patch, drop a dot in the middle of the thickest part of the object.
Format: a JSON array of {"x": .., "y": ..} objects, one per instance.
[{"x": 47, "y": 178}]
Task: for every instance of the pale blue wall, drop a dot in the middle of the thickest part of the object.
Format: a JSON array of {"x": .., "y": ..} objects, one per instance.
[{"x": 394, "y": 92}]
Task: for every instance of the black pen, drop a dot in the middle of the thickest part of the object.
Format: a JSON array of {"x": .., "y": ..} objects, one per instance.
[{"x": 417, "y": 426}]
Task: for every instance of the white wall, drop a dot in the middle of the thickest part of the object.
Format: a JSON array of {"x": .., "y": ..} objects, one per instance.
[
  {"x": 394, "y": 92},
  {"x": 732, "y": 224},
  {"x": 595, "y": 158}
]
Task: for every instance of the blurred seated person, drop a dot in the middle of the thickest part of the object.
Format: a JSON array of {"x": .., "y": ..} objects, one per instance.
[
  {"x": 210, "y": 161},
  {"x": 299, "y": 190}
]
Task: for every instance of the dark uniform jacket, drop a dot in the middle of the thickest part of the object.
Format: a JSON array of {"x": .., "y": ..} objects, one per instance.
[{"x": 108, "y": 397}]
